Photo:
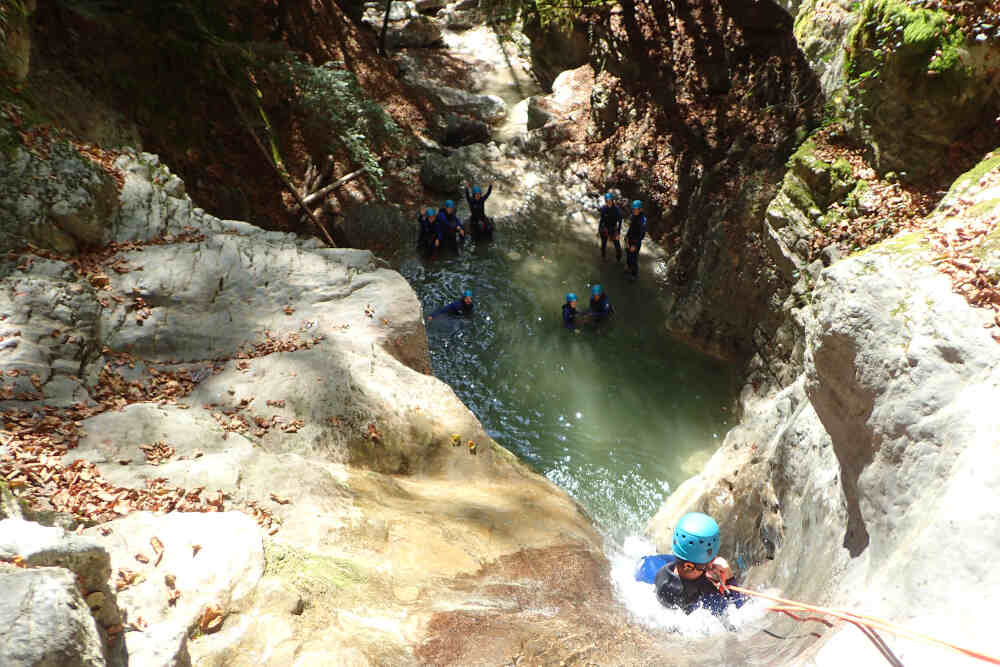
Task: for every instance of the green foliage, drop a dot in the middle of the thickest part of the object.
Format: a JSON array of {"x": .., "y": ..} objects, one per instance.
[
  {"x": 335, "y": 105},
  {"x": 545, "y": 12},
  {"x": 8, "y": 9},
  {"x": 914, "y": 38}
]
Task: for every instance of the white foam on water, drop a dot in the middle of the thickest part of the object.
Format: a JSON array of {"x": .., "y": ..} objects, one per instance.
[{"x": 640, "y": 599}]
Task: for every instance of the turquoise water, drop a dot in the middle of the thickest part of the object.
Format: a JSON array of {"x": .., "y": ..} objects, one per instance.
[{"x": 618, "y": 414}]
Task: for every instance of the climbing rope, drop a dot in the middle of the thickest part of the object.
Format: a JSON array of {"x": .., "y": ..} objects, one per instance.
[{"x": 867, "y": 624}]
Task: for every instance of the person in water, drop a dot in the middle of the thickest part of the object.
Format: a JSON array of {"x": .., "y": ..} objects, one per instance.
[
  {"x": 633, "y": 239},
  {"x": 600, "y": 307},
  {"x": 457, "y": 308},
  {"x": 450, "y": 229},
  {"x": 610, "y": 226},
  {"x": 694, "y": 575},
  {"x": 478, "y": 222},
  {"x": 428, "y": 240},
  {"x": 569, "y": 312}
]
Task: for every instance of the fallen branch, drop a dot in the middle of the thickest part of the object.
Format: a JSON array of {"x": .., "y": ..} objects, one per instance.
[{"x": 324, "y": 191}]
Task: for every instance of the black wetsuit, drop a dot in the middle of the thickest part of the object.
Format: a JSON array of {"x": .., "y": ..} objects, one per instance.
[
  {"x": 690, "y": 594},
  {"x": 569, "y": 316},
  {"x": 479, "y": 223},
  {"x": 610, "y": 226},
  {"x": 600, "y": 308},
  {"x": 457, "y": 308},
  {"x": 636, "y": 232},
  {"x": 428, "y": 234},
  {"x": 448, "y": 226}
]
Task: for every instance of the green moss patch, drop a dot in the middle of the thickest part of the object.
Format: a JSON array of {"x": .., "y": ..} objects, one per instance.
[
  {"x": 921, "y": 40},
  {"x": 313, "y": 575},
  {"x": 971, "y": 177}
]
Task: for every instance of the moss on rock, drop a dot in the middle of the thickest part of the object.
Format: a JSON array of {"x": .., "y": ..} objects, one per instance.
[
  {"x": 312, "y": 574},
  {"x": 912, "y": 85},
  {"x": 971, "y": 177}
]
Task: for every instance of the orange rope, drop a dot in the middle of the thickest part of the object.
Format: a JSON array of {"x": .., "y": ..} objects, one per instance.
[{"x": 869, "y": 621}]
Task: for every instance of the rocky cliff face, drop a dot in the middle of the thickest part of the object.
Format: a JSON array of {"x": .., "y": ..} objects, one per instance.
[{"x": 847, "y": 485}]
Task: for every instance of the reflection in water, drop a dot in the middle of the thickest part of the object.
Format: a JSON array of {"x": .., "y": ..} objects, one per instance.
[{"x": 616, "y": 414}]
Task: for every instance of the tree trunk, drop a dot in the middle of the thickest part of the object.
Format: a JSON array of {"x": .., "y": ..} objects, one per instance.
[{"x": 385, "y": 29}]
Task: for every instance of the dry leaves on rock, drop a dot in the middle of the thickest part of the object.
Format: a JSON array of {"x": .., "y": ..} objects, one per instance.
[
  {"x": 157, "y": 452},
  {"x": 211, "y": 619}
]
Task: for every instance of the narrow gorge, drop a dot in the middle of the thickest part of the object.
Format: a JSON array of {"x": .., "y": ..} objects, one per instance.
[{"x": 231, "y": 436}]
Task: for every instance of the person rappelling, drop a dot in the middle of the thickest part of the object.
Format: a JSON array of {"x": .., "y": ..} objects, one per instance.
[
  {"x": 610, "y": 226},
  {"x": 450, "y": 229},
  {"x": 633, "y": 239},
  {"x": 693, "y": 576},
  {"x": 480, "y": 225},
  {"x": 458, "y": 308}
]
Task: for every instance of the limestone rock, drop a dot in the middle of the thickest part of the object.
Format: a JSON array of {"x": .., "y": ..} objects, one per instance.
[
  {"x": 57, "y": 203},
  {"x": 934, "y": 85},
  {"x": 419, "y": 31},
  {"x": 44, "y": 546},
  {"x": 821, "y": 29},
  {"x": 875, "y": 456},
  {"x": 45, "y": 622},
  {"x": 555, "y": 48},
  {"x": 488, "y": 108},
  {"x": 213, "y": 559}
]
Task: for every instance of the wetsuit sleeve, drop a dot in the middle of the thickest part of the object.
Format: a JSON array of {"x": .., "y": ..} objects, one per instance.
[
  {"x": 453, "y": 308},
  {"x": 567, "y": 318},
  {"x": 489, "y": 191},
  {"x": 468, "y": 195},
  {"x": 669, "y": 588}
]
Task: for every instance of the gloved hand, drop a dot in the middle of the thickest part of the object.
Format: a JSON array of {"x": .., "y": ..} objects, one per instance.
[{"x": 719, "y": 572}]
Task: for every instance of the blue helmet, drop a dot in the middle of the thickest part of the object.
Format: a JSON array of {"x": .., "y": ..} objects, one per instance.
[
  {"x": 696, "y": 538},
  {"x": 636, "y": 203},
  {"x": 608, "y": 196},
  {"x": 449, "y": 204},
  {"x": 595, "y": 290},
  {"x": 571, "y": 296},
  {"x": 467, "y": 293},
  {"x": 429, "y": 212},
  {"x": 476, "y": 190}
]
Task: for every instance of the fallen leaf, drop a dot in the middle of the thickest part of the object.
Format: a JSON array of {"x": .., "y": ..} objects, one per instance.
[
  {"x": 157, "y": 548},
  {"x": 170, "y": 580},
  {"x": 211, "y": 619},
  {"x": 172, "y": 597},
  {"x": 195, "y": 548},
  {"x": 142, "y": 558},
  {"x": 280, "y": 500}
]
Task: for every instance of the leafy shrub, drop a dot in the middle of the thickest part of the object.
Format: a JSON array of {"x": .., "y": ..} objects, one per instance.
[{"x": 331, "y": 99}]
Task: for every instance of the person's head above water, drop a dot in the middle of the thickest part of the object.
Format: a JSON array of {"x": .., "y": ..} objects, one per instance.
[
  {"x": 430, "y": 212},
  {"x": 608, "y": 196},
  {"x": 449, "y": 204},
  {"x": 696, "y": 538},
  {"x": 636, "y": 205},
  {"x": 476, "y": 190},
  {"x": 596, "y": 290},
  {"x": 571, "y": 297},
  {"x": 467, "y": 296}
]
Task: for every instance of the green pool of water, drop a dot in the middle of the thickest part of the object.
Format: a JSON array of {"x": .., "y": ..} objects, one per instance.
[{"x": 618, "y": 414}]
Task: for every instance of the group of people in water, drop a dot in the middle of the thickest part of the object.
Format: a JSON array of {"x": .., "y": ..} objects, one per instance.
[
  {"x": 444, "y": 230},
  {"x": 693, "y": 575}
]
